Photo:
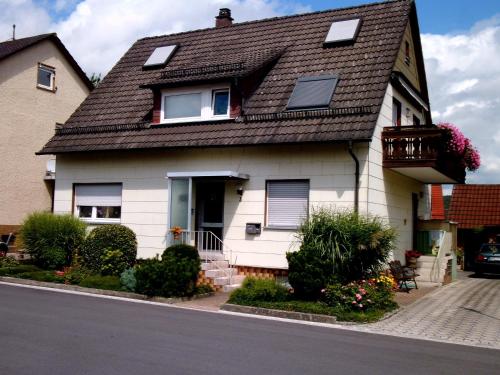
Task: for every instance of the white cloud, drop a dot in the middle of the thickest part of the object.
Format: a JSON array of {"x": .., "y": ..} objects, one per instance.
[
  {"x": 463, "y": 72},
  {"x": 458, "y": 87},
  {"x": 99, "y": 32},
  {"x": 29, "y": 18}
]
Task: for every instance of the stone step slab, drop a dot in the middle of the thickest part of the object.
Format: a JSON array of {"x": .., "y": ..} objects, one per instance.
[{"x": 217, "y": 272}]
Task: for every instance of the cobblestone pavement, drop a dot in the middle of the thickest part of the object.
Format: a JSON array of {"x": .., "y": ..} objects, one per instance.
[{"x": 464, "y": 312}]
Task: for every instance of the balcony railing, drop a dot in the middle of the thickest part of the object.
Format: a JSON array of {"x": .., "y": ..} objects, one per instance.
[{"x": 420, "y": 147}]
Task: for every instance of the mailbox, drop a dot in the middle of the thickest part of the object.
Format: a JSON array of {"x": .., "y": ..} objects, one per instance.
[{"x": 253, "y": 228}]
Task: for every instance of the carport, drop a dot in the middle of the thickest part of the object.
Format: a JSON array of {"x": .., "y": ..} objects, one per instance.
[{"x": 476, "y": 209}]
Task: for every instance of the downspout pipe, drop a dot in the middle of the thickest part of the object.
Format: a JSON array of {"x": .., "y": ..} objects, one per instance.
[{"x": 356, "y": 174}]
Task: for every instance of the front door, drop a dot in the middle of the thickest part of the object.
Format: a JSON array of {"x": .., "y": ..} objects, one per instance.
[{"x": 210, "y": 207}]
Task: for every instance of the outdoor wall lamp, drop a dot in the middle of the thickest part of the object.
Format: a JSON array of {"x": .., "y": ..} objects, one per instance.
[{"x": 239, "y": 191}]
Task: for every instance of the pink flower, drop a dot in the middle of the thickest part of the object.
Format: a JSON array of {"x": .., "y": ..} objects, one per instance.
[
  {"x": 358, "y": 296},
  {"x": 362, "y": 291},
  {"x": 353, "y": 302},
  {"x": 360, "y": 305}
]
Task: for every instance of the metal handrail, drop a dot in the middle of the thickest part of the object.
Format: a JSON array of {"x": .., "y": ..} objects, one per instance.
[{"x": 207, "y": 243}]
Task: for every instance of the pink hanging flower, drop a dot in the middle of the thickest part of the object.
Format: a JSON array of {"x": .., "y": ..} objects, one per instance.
[
  {"x": 358, "y": 296},
  {"x": 461, "y": 147}
]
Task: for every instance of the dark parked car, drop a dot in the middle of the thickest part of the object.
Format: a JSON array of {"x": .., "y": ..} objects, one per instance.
[{"x": 488, "y": 259}]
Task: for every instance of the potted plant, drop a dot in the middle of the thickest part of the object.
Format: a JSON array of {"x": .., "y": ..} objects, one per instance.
[{"x": 411, "y": 258}]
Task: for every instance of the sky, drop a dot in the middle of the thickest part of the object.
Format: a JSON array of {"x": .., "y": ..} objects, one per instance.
[{"x": 460, "y": 39}]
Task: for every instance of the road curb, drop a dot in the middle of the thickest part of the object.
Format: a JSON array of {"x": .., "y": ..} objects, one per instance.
[
  {"x": 280, "y": 313},
  {"x": 101, "y": 292}
]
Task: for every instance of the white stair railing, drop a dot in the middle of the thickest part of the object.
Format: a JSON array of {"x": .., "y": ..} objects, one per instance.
[{"x": 210, "y": 247}]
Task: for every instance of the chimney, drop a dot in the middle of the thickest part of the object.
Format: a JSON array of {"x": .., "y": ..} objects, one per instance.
[{"x": 224, "y": 18}]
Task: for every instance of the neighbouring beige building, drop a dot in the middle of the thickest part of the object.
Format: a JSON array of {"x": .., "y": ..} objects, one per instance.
[
  {"x": 40, "y": 85},
  {"x": 227, "y": 138}
]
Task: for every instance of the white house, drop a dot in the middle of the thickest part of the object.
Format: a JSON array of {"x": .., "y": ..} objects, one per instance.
[{"x": 235, "y": 133}]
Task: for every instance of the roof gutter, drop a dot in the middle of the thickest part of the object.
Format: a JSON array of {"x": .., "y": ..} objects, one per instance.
[{"x": 356, "y": 174}]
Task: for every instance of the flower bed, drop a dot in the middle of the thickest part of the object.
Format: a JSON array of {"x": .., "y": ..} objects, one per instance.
[{"x": 364, "y": 301}]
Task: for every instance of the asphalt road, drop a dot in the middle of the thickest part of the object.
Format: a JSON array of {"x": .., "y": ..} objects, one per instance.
[{"x": 44, "y": 332}]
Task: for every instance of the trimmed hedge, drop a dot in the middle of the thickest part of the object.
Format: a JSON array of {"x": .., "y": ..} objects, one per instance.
[
  {"x": 254, "y": 289},
  {"x": 105, "y": 237},
  {"x": 175, "y": 275}
]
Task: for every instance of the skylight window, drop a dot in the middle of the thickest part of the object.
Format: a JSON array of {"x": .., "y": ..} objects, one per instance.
[
  {"x": 160, "y": 56},
  {"x": 313, "y": 92},
  {"x": 343, "y": 31}
]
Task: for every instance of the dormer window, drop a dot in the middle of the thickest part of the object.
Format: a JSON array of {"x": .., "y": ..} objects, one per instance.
[{"x": 202, "y": 103}]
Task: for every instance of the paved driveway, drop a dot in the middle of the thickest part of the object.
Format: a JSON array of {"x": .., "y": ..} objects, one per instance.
[{"x": 465, "y": 312}]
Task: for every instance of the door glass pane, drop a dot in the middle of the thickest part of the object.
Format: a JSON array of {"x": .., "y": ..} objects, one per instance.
[
  {"x": 185, "y": 105},
  {"x": 179, "y": 205},
  {"x": 221, "y": 101}
]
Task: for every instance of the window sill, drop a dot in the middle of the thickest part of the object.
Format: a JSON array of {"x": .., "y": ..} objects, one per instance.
[
  {"x": 194, "y": 119},
  {"x": 281, "y": 228},
  {"x": 100, "y": 221},
  {"x": 46, "y": 88}
]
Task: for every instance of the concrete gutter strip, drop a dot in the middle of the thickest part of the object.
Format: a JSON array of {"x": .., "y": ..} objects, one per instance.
[
  {"x": 113, "y": 293},
  {"x": 280, "y": 313}
]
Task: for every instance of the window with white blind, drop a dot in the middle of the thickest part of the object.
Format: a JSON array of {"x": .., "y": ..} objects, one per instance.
[
  {"x": 98, "y": 203},
  {"x": 287, "y": 203}
]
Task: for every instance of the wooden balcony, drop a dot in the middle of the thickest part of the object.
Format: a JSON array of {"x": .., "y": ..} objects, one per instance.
[{"x": 418, "y": 152}]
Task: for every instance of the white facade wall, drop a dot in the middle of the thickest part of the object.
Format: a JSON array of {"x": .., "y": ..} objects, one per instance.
[
  {"x": 329, "y": 168},
  {"x": 390, "y": 193}
]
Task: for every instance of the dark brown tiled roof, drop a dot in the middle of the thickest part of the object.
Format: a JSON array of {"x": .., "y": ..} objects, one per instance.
[
  {"x": 116, "y": 115},
  {"x": 11, "y": 47},
  {"x": 474, "y": 206}
]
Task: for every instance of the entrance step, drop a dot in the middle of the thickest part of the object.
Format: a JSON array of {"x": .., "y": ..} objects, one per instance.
[
  {"x": 214, "y": 273},
  {"x": 226, "y": 280},
  {"x": 217, "y": 264},
  {"x": 210, "y": 256}
]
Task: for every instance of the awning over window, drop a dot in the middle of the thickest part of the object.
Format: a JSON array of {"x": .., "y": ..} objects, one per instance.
[
  {"x": 98, "y": 195},
  {"x": 226, "y": 174}
]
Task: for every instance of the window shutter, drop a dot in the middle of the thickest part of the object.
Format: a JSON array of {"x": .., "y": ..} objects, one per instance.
[
  {"x": 287, "y": 203},
  {"x": 98, "y": 195}
]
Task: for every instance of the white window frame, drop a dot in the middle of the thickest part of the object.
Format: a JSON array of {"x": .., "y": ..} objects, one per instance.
[
  {"x": 94, "y": 219},
  {"x": 52, "y": 72},
  {"x": 285, "y": 227},
  {"x": 207, "y": 103}
]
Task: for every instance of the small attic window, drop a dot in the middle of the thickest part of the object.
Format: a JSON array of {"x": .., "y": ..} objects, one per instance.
[
  {"x": 343, "y": 31},
  {"x": 313, "y": 92},
  {"x": 160, "y": 56}
]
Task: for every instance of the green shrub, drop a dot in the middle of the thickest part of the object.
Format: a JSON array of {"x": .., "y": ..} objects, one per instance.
[
  {"x": 12, "y": 271},
  {"x": 75, "y": 274},
  {"x": 51, "y": 239},
  {"x": 113, "y": 263},
  {"x": 342, "y": 246},
  {"x": 149, "y": 275},
  {"x": 174, "y": 275},
  {"x": 204, "y": 289},
  {"x": 127, "y": 278},
  {"x": 8, "y": 261},
  {"x": 254, "y": 289},
  {"x": 102, "y": 282},
  {"x": 47, "y": 276},
  {"x": 102, "y": 238}
]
